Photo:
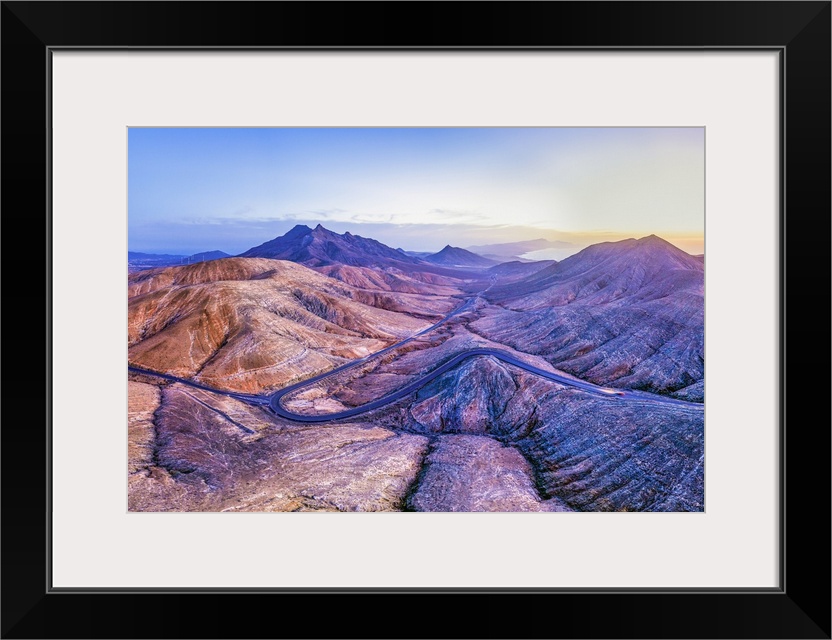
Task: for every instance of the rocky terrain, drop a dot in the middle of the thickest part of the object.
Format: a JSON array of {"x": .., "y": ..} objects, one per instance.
[
  {"x": 588, "y": 453},
  {"x": 254, "y": 324},
  {"x": 474, "y": 473},
  {"x": 394, "y": 280},
  {"x": 628, "y": 314},
  {"x": 484, "y": 435},
  {"x": 523, "y": 445},
  {"x": 211, "y": 453}
]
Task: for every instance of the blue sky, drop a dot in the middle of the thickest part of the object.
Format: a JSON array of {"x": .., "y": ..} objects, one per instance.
[{"x": 200, "y": 189}]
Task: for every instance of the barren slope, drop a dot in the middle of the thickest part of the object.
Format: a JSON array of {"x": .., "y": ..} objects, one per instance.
[
  {"x": 209, "y": 453},
  {"x": 629, "y": 313},
  {"x": 247, "y": 324}
]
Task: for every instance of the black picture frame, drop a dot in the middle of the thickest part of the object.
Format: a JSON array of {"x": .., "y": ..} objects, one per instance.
[{"x": 799, "y": 31}]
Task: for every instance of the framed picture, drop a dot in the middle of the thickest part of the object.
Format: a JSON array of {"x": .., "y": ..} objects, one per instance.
[{"x": 388, "y": 172}]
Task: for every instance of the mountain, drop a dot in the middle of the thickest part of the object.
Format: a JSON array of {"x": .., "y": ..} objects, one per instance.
[
  {"x": 588, "y": 454},
  {"x": 207, "y": 255},
  {"x": 320, "y": 247},
  {"x": 606, "y": 272},
  {"x": 518, "y": 269},
  {"x": 324, "y": 250},
  {"x": 248, "y": 324},
  {"x": 627, "y": 314},
  {"x": 392, "y": 280},
  {"x": 456, "y": 257},
  {"x": 414, "y": 254}
]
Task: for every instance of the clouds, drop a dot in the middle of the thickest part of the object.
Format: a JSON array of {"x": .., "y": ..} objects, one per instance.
[
  {"x": 234, "y": 236},
  {"x": 624, "y": 182}
]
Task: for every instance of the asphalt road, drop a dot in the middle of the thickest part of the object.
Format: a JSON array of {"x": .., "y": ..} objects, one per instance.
[
  {"x": 258, "y": 399},
  {"x": 246, "y": 397},
  {"x": 616, "y": 394},
  {"x": 274, "y": 400}
]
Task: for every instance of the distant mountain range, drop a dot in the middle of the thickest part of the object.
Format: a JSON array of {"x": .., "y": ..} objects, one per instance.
[
  {"x": 154, "y": 257},
  {"x": 415, "y": 254},
  {"x": 456, "y": 257},
  {"x": 208, "y": 255},
  {"x": 320, "y": 247},
  {"x": 137, "y": 261}
]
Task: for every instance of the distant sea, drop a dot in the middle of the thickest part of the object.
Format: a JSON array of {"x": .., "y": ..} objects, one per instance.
[{"x": 551, "y": 254}]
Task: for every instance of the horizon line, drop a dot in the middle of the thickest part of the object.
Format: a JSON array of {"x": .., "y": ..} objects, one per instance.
[{"x": 320, "y": 225}]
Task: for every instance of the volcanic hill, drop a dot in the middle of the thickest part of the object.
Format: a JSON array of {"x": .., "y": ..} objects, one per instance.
[
  {"x": 628, "y": 313},
  {"x": 247, "y": 323},
  {"x": 456, "y": 257},
  {"x": 322, "y": 249}
]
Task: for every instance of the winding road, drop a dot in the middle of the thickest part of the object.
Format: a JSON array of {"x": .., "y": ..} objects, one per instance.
[{"x": 273, "y": 401}]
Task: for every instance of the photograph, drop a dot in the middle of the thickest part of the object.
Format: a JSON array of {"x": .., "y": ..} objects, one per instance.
[{"x": 459, "y": 319}]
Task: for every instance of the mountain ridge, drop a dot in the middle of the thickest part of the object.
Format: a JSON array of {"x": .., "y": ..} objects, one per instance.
[
  {"x": 627, "y": 313},
  {"x": 320, "y": 247},
  {"x": 455, "y": 257},
  {"x": 604, "y": 271}
]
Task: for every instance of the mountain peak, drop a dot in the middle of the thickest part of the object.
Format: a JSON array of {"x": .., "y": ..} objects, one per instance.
[
  {"x": 654, "y": 242},
  {"x": 623, "y": 272},
  {"x": 653, "y": 239},
  {"x": 321, "y": 247},
  {"x": 298, "y": 230},
  {"x": 456, "y": 257},
  {"x": 610, "y": 261}
]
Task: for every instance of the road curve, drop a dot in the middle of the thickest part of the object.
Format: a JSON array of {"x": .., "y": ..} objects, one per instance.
[
  {"x": 274, "y": 400},
  {"x": 615, "y": 394},
  {"x": 259, "y": 399},
  {"x": 245, "y": 397}
]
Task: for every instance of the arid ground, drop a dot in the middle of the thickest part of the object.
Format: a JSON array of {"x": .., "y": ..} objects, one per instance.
[{"x": 579, "y": 384}]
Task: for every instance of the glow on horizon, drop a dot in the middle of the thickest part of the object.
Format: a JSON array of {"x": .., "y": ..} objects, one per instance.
[{"x": 195, "y": 189}]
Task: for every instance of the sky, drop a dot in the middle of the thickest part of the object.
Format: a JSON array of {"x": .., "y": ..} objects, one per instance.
[{"x": 201, "y": 189}]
